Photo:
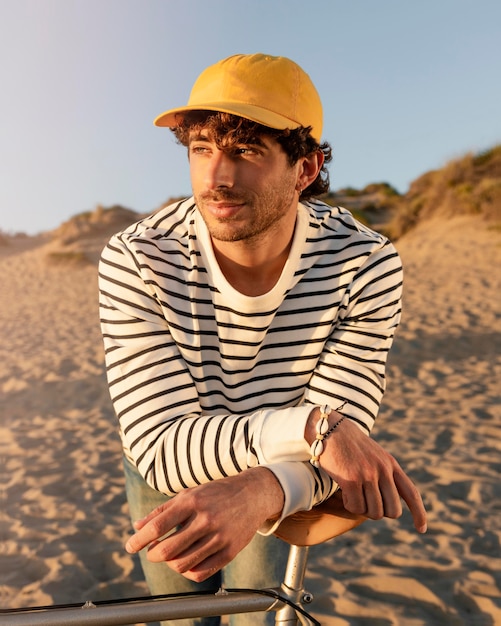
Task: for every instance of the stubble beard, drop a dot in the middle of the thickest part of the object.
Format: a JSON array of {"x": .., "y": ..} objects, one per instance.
[{"x": 267, "y": 210}]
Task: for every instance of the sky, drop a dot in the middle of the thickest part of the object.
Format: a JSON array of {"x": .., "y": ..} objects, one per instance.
[{"x": 406, "y": 86}]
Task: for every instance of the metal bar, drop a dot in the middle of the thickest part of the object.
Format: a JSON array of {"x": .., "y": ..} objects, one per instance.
[
  {"x": 146, "y": 611},
  {"x": 292, "y": 587}
]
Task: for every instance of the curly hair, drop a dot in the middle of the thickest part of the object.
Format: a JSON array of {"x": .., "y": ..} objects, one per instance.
[{"x": 228, "y": 130}]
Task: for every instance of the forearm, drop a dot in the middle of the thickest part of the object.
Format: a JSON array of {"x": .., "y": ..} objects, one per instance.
[
  {"x": 196, "y": 448},
  {"x": 264, "y": 487}
]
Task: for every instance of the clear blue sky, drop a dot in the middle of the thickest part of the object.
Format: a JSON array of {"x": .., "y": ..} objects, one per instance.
[{"x": 406, "y": 86}]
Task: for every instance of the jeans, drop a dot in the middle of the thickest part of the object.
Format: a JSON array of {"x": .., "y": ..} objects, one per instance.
[{"x": 261, "y": 564}]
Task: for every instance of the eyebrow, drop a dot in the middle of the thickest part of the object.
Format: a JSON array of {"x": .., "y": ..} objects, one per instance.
[
  {"x": 198, "y": 137},
  {"x": 255, "y": 140}
]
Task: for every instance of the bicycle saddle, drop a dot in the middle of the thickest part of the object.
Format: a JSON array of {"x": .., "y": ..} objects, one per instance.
[{"x": 321, "y": 523}]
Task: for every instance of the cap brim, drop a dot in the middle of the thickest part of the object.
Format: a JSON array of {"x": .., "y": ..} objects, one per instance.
[
  {"x": 174, "y": 117},
  {"x": 321, "y": 523}
]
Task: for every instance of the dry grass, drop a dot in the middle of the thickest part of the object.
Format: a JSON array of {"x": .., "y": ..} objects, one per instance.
[
  {"x": 470, "y": 185},
  {"x": 67, "y": 258},
  {"x": 94, "y": 223}
]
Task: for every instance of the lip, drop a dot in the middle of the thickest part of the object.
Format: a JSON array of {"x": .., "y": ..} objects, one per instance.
[{"x": 223, "y": 209}]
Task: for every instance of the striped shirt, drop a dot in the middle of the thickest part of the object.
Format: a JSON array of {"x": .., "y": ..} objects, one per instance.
[{"x": 207, "y": 382}]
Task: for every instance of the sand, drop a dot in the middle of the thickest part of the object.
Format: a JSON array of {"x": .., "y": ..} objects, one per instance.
[{"x": 64, "y": 518}]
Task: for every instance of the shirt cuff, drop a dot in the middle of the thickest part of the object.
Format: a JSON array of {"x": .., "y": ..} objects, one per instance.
[
  {"x": 281, "y": 436},
  {"x": 298, "y": 484}
]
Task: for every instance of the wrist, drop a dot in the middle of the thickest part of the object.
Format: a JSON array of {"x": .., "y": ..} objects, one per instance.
[
  {"x": 309, "y": 430},
  {"x": 268, "y": 490},
  {"x": 321, "y": 423}
]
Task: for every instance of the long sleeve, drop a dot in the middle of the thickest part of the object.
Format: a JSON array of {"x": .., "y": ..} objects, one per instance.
[{"x": 352, "y": 364}]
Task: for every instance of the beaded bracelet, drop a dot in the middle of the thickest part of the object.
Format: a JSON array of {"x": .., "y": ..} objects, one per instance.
[{"x": 323, "y": 431}]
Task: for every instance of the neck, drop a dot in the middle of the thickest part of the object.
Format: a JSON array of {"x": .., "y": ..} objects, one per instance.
[{"x": 254, "y": 268}]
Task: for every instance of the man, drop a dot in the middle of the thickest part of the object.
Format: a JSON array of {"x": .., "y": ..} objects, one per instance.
[{"x": 235, "y": 323}]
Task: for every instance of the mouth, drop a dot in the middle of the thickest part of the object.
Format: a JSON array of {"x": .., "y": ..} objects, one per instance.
[{"x": 223, "y": 209}]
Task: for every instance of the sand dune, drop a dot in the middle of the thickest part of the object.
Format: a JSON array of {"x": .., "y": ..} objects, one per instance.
[{"x": 63, "y": 512}]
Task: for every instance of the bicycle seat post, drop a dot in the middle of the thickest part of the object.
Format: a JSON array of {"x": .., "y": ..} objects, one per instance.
[{"x": 292, "y": 586}]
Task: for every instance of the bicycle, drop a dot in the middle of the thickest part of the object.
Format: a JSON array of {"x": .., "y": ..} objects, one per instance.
[{"x": 302, "y": 530}]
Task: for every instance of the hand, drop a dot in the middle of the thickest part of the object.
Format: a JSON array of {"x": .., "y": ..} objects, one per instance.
[
  {"x": 371, "y": 479},
  {"x": 216, "y": 520}
]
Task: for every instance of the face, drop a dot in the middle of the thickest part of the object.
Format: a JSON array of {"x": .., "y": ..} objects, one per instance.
[{"x": 245, "y": 191}]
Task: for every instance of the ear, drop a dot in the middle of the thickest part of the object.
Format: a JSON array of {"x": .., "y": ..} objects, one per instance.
[{"x": 308, "y": 169}]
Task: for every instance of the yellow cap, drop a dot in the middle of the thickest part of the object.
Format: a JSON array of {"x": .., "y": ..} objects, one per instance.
[{"x": 273, "y": 91}]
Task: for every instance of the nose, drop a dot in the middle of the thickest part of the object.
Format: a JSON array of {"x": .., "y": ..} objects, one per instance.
[{"x": 220, "y": 170}]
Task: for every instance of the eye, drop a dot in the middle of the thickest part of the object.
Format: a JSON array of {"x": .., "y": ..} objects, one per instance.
[
  {"x": 199, "y": 149},
  {"x": 245, "y": 150}
]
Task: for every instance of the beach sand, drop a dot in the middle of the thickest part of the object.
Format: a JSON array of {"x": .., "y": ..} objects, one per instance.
[{"x": 64, "y": 518}]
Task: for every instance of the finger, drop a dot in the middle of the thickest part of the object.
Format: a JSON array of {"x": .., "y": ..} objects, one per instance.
[
  {"x": 210, "y": 565},
  {"x": 206, "y": 568},
  {"x": 201, "y": 561},
  {"x": 375, "y": 508},
  {"x": 411, "y": 496},
  {"x": 353, "y": 498},
  {"x": 140, "y": 523},
  {"x": 181, "y": 562},
  {"x": 390, "y": 498},
  {"x": 183, "y": 548},
  {"x": 156, "y": 525}
]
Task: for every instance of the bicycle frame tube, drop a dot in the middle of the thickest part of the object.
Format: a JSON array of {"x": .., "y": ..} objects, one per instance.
[
  {"x": 145, "y": 611},
  {"x": 292, "y": 587},
  {"x": 221, "y": 603}
]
